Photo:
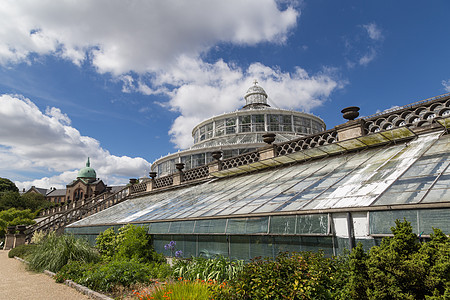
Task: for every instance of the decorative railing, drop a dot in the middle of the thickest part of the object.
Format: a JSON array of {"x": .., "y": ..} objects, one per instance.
[
  {"x": 139, "y": 187},
  {"x": 418, "y": 114},
  {"x": 323, "y": 138},
  {"x": 401, "y": 108},
  {"x": 80, "y": 210},
  {"x": 196, "y": 173},
  {"x": 164, "y": 181},
  {"x": 243, "y": 159}
]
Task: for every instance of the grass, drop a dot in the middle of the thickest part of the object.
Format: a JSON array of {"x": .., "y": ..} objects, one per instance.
[
  {"x": 56, "y": 251},
  {"x": 183, "y": 289},
  {"x": 22, "y": 251}
]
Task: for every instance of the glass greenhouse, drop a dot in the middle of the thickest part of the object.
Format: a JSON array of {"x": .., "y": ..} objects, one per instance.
[{"x": 327, "y": 202}]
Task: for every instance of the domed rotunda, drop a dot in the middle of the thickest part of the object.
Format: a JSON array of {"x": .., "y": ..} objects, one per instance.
[{"x": 240, "y": 132}]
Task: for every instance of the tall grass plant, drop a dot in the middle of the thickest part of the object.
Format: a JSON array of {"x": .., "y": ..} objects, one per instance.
[
  {"x": 218, "y": 269},
  {"x": 56, "y": 251}
]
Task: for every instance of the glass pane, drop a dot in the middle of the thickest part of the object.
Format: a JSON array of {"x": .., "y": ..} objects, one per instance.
[
  {"x": 261, "y": 246},
  {"x": 381, "y": 221},
  {"x": 181, "y": 227},
  {"x": 245, "y": 119},
  {"x": 236, "y": 226},
  {"x": 211, "y": 246},
  {"x": 401, "y": 197},
  {"x": 282, "y": 224},
  {"x": 258, "y": 119},
  {"x": 311, "y": 224},
  {"x": 187, "y": 244},
  {"x": 250, "y": 225},
  {"x": 257, "y": 225},
  {"x": 437, "y": 218},
  {"x": 286, "y": 244},
  {"x": 161, "y": 227},
  {"x": 210, "y": 226},
  {"x": 158, "y": 243},
  {"x": 240, "y": 247},
  {"x": 231, "y": 121}
]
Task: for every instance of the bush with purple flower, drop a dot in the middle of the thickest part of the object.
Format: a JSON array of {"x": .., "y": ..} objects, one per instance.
[{"x": 171, "y": 247}]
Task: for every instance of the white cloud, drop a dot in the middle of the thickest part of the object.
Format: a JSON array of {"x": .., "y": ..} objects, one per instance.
[
  {"x": 153, "y": 47},
  {"x": 31, "y": 141},
  {"x": 368, "y": 57},
  {"x": 373, "y": 31},
  {"x": 203, "y": 90},
  {"x": 141, "y": 36},
  {"x": 446, "y": 84}
]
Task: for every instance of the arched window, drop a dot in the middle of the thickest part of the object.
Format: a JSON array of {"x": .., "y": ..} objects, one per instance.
[{"x": 78, "y": 194}]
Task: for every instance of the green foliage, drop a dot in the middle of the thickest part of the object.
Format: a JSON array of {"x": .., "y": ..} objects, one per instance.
[
  {"x": 288, "y": 276},
  {"x": 218, "y": 269},
  {"x": 22, "y": 251},
  {"x": 106, "y": 243},
  {"x": 38, "y": 237},
  {"x": 437, "y": 254},
  {"x": 32, "y": 201},
  {"x": 7, "y": 185},
  {"x": 12, "y": 217},
  {"x": 187, "y": 290},
  {"x": 392, "y": 272},
  {"x": 106, "y": 275},
  {"x": 356, "y": 282},
  {"x": 9, "y": 199},
  {"x": 127, "y": 259},
  {"x": 401, "y": 268},
  {"x": 131, "y": 242},
  {"x": 56, "y": 251}
]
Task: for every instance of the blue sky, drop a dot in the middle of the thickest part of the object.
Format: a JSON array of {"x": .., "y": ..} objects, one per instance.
[{"x": 124, "y": 82}]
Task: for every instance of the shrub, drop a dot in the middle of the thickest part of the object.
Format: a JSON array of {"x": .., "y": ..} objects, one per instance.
[
  {"x": 106, "y": 275},
  {"x": 12, "y": 217},
  {"x": 288, "y": 276},
  {"x": 219, "y": 268},
  {"x": 56, "y": 251},
  {"x": 401, "y": 267},
  {"x": 22, "y": 251},
  {"x": 106, "y": 243},
  {"x": 131, "y": 242}
]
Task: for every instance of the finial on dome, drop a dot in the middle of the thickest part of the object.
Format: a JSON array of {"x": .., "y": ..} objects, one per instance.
[
  {"x": 255, "y": 82},
  {"x": 88, "y": 163}
]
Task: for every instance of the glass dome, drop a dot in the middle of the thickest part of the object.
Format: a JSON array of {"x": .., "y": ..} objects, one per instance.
[{"x": 255, "y": 96}]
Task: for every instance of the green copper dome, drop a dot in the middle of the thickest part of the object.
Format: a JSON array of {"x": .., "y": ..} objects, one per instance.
[{"x": 87, "y": 172}]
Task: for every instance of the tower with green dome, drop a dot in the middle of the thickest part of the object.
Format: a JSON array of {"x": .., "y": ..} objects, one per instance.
[{"x": 87, "y": 172}]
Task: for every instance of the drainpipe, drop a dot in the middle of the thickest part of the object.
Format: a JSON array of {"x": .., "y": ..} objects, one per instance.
[{"x": 351, "y": 234}]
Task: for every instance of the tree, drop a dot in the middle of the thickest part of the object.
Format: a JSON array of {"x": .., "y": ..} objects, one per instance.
[
  {"x": 12, "y": 217},
  {"x": 33, "y": 201},
  {"x": 7, "y": 185},
  {"x": 9, "y": 199}
]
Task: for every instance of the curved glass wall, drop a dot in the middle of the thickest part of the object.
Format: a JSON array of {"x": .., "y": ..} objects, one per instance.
[
  {"x": 258, "y": 122},
  {"x": 241, "y": 131}
]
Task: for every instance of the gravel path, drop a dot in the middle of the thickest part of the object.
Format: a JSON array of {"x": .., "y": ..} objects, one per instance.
[{"x": 18, "y": 283}]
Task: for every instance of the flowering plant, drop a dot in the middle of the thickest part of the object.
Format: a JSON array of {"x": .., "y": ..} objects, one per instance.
[{"x": 171, "y": 246}]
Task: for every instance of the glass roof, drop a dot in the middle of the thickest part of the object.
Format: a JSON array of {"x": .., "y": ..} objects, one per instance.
[{"x": 413, "y": 172}]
